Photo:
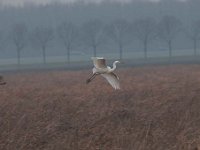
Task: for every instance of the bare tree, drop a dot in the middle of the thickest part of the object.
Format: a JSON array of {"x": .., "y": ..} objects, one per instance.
[
  {"x": 19, "y": 38},
  {"x": 145, "y": 31},
  {"x": 1, "y": 46},
  {"x": 68, "y": 34},
  {"x": 168, "y": 29},
  {"x": 93, "y": 35},
  {"x": 40, "y": 38},
  {"x": 193, "y": 33},
  {"x": 119, "y": 32}
]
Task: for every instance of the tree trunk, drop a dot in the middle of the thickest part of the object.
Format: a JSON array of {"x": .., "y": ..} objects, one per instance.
[
  {"x": 170, "y": 49},
  {"x": 120, "y": 52},
  {"x": 94, "y": 50},
  {"x": 145, "y": 50},
  {"x": 18, "y": 57},
  {"x": 68, "y": 55},
  {"x": 44, "y": 54},
  {"x": 195, "y": 47}
]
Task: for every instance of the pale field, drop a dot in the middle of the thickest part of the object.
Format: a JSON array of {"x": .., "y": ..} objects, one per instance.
[{"x": 157, "y": 108}]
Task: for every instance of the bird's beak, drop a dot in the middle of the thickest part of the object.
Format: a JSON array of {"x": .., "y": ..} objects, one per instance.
[{"x": 122, "y": 62}]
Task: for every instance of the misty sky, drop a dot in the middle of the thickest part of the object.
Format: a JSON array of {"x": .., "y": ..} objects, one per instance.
[{"x": 38, "y": 2}]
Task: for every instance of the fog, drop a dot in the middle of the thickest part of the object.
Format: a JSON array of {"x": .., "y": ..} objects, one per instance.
[
  {"x": 21, "y": 3},
  {"x": 56, "y": 32}
]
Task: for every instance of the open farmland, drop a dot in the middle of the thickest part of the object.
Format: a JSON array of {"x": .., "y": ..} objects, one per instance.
[{"x": 158, "y": 108}]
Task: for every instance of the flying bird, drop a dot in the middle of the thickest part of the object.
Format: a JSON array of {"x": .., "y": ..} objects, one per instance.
[{"x": 100, "y": 68}]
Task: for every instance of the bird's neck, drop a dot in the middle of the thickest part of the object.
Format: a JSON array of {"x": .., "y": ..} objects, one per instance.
[{"x": 114, "y": 67}]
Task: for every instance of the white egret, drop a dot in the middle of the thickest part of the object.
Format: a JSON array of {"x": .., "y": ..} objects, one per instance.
[{"x": 100, "y": 68}]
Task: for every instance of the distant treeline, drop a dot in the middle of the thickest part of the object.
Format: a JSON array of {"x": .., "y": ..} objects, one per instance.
[{"x": 62, "y": 28}]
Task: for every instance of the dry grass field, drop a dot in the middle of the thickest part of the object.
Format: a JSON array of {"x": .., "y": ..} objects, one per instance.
[{"x": 158, "y": 108}]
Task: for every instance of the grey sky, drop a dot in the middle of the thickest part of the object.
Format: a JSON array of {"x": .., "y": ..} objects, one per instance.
[{"x": 38, "y": 2}]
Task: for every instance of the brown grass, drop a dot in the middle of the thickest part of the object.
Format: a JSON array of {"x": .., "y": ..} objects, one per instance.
[{"x": 158, "y": 108}]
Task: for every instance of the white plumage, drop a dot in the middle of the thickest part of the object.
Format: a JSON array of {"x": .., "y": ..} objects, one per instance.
[{"x": 100, "y": 68}]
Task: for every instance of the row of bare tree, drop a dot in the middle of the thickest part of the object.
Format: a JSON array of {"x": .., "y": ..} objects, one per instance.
[{"x": 95, "y": 33}]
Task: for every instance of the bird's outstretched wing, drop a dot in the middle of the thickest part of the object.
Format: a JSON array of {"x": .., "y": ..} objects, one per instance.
[
  {"x": 99, "y": 62},
  {"x": 113, "y": 79}
]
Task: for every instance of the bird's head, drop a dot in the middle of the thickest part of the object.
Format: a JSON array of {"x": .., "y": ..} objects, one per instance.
[
  {"x": 120, "y": 62},
  {"x": 116, "y": 62}
]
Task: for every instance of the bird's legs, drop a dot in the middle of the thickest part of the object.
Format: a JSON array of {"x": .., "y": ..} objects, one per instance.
[{"x": 91, "y": 78}]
